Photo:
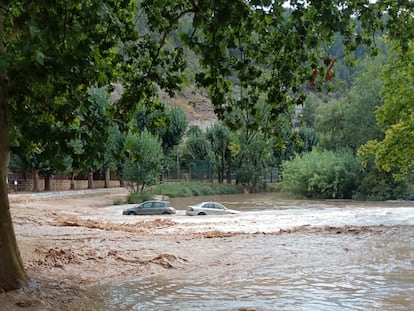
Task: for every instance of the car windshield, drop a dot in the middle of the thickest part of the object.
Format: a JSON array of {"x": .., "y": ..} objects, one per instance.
[{"x": 219, "y": 206}]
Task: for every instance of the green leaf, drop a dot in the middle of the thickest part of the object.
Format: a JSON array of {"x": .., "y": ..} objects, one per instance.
[
  {"x": 4, "y": 62},
  {"x": 40, "y": 57}
]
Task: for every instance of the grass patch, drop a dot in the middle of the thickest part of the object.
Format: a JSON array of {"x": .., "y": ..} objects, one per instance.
[
  {"x": 135, "y": 197},
  {"x": 188, "y": 189},
  {"x": 138, "y": 197},
  {"x": 181, "y": 189}
]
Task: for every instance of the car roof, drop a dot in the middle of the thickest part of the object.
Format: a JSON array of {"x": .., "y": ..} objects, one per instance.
[
  {"x": 207, "y": 202},
  {"x": 156, "y": 201}
]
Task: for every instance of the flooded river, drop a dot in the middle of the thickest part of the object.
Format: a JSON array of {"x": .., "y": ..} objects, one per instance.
[{"x": 278, "y": 254}]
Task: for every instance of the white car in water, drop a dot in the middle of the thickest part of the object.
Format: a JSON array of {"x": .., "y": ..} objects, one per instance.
[{"x": 208, "y": 208}]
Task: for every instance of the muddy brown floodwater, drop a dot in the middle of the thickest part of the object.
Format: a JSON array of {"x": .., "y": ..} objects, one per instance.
[{"x": 81, "y": 253}]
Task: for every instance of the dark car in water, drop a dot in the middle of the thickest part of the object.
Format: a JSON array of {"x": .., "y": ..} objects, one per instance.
[{"x": 150, "y": 208}]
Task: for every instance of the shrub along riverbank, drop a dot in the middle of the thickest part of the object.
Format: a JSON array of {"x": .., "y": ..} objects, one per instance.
[
  {"x": 183, "y": 189},
  {"x": 187, "y": 189}
]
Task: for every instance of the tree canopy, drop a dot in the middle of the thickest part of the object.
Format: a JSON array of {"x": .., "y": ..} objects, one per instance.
[
  {"x": 263, "y": 48},
  {"x": 141, "y": 169},
  {"x": 395, "y": 152},
  {"x": 349, "y": 122},
  {"x": 50, "y": 56}
]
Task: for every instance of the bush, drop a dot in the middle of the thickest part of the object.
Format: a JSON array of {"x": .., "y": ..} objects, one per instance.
[
  {"x": 138, "y": 197},
  {"x": 380, "y": 186},
  {"x": 322, "y": 175},
  {"x": 119, "y": 202},
  {"x": 187, "y": 189}
]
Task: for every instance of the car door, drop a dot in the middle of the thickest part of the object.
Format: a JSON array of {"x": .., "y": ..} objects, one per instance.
[
  {"x": 212, "y": 208},
  {"x": 145, "y": 208},
  {"x": 208, "y": 208},
  {"x": 218, "y": 208},
  {"x": 158, "y": 208}
]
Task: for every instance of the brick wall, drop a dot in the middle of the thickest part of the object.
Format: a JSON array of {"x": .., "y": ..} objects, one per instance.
[{"x": 26, "y": 185}]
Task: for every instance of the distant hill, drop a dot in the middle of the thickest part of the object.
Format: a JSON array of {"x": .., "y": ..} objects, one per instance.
[{"x": 196, "y": 104}]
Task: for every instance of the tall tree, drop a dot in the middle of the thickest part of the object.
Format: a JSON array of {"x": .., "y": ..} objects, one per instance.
[
  {"x": 364, "y": 98},
  {"x": 395, "y": 152},
  {"x": 89, "y": 134},
  {"x": 349, "y": 121},
  {"x": 197, "y": 155},
  {"x": 172, "y": 133},
  {"x": 196, "y": 144},
  {"x": 169, "y": 124},
  {"x": 50, "y": 55},
  {"x": 144, "y": 159},
  {"x": 115, "y": 157},
  {"x": 252, "y": 157},
  {"x": 218, "y": 135}
]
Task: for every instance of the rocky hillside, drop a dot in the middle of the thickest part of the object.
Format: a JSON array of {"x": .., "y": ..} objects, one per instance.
[
  {"x": 196, "y": 105},
  {"x": 194, "y": 102}
]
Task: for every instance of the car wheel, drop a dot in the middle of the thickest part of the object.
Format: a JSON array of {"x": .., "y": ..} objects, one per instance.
[
  {"x": 131, "y": 213},
  {"x": 201, "y": 213}
]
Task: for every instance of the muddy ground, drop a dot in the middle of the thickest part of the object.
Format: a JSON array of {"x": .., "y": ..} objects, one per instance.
[{"x": 68, "y": 243}]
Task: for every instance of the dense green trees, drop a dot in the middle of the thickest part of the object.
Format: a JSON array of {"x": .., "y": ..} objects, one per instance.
[
  {"x": 345, "y": 123},
  {"x": 395, "y": 152},
  {"x": 171, "y": 135},
  {"x": 196, "y": 144},
  {"x": 325, "y": 174},
  {"x": 218, "y": 136},
  {"x": 173, "y": 131},
  {"x": 144, "y": 160},
  {"x": 349, "y": 122},
  {"x": 88, "y": 135}
]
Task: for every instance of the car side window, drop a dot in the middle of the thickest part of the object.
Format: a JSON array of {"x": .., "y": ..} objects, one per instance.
[
  {"x": 219, "y": 206},
  {"x": 158, "y": 204},
  {"x": 147, "y": 205}
]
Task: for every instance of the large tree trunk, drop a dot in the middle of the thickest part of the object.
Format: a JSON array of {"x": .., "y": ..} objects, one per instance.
[
  {"x": 222, "y": 167},
  {"x": 12, "y": 274},
  {"x": 35, "y": 176},
  {"x": 228, "y": 168},
  {"x": 47, "y": 183},
  {"x": 72, "y": 181},
  {"x": 121, "y": 177},
  {"x": 107, "y": 177}
]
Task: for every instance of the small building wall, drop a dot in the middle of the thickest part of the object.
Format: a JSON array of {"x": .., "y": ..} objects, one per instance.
[{"x": 26, "y": 185}]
